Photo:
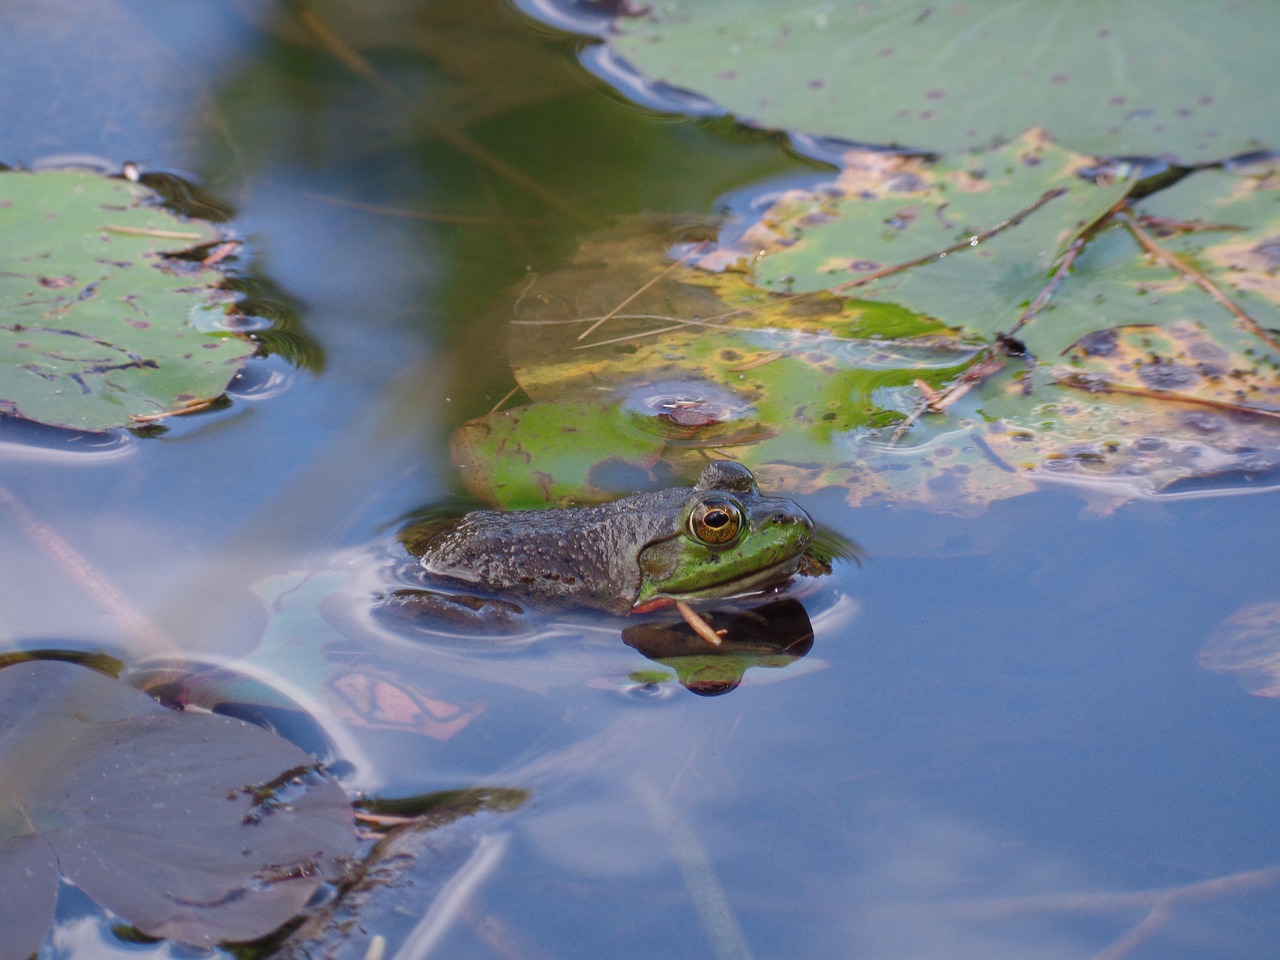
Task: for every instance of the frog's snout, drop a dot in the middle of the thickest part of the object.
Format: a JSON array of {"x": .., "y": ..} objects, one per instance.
[{"x": 797, "y": 517}]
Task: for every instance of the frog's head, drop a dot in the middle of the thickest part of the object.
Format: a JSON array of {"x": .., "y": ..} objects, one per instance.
[{"x": 730, "y": 540}]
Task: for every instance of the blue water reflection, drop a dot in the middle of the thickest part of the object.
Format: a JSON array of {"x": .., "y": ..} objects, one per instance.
[{"x": 999, "y": 740}]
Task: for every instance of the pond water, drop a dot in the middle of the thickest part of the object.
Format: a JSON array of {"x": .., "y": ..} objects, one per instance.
[{"x": 1001, "y": 743}]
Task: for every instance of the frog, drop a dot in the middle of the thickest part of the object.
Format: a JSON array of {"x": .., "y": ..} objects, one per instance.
[
  {"x": 719, "y": 542},
  {"x": 719, "y": 538}
]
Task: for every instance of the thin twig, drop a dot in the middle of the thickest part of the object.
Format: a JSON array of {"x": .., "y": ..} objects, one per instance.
[
  {"x": 1065, "y": 265},
  {"x": 781, "y": 300},
  {"x": 146, "y": 232},
  {"x": 698, "y": 624},
  {"x": 403, "y": 213},
  {"x": 1091, "y": 384},
  {"x": 190, "y": 406},
  {"x": 971, "y": 241},
  {"x": 1174, "y": 262},
  {"x": 681, "y": 325},
  {"x": 991, "y": 360},
  {"x": 507, "y": 396},
  {"x": 642, "y": 288}
]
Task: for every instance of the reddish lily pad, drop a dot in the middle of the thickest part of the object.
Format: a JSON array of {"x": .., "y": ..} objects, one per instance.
[
  {"x": 191, "y": 827},
  {"x": 1246, "y": 645}
]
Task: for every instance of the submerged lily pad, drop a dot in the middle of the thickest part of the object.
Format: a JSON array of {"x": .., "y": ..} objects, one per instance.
[
  {"x": 191, "y": 827},
  {"x": 1180, "y": 78},
  {"x": 100, "y": 325}
]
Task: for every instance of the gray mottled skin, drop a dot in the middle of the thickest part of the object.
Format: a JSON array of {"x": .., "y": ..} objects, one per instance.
[
  {"x": 578, "y": 556},
  {"x": 587, "y": 556}
]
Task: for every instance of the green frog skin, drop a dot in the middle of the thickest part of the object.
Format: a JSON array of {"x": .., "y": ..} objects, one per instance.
[{"x": 718, "y": 538}]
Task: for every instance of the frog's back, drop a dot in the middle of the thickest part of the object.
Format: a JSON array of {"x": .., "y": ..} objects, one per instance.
[{"x": 584, "y": 556}]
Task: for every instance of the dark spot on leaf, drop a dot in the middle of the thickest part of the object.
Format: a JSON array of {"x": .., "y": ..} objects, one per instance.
[
  {"x": 1100, "y": 343},
  {"x": 885, "y": 52},
  {"x": 1207, "y": 350},
  {"x": 905, "y": 183},
  {"x": 1167, "y": 375},
  {"x": 1205, "y": 100},
  {"x": 727, "y": 75},
  {"x": 1269, "y": 250},
  {"x": 934, "y": 94},
  {"x": 817, "y": 84},
  {"x": 1060, "y": 78},
  {"x": 1117, "y": 101}
]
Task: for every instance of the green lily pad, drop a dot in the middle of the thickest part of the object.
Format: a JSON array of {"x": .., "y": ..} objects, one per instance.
[
  {"x": 191, "y": 827},
  {"x": 1173, "y": 78},
  {"x": 790, "y": 387},
  {"x": 1150, "y": 362},
  {"x": 100, "y": 326},
  {"x": 988, "y": 228}
]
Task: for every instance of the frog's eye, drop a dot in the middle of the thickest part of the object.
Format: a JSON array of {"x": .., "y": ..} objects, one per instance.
[{"x": 716, "y": 521}]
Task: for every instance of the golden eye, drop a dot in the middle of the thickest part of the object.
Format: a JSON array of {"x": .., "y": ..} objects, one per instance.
[{"x": 716, "y": 521}]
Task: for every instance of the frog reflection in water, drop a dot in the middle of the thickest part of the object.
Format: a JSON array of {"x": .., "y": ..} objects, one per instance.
[{"x": 719, "y": 538}]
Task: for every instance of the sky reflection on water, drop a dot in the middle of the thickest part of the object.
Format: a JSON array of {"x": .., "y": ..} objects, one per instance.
[{"x": 1014, "y": 711}]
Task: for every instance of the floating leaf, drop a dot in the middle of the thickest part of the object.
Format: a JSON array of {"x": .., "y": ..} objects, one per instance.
[
  {"x": 788, "y": 386},
  {"x": 192, "y": 827},
  {"x": 984, "y": 231},
  {"x": 99, "y": 326},
  {"x": 1152, "y": 78},
  {"x": 1142, "y": 357}
]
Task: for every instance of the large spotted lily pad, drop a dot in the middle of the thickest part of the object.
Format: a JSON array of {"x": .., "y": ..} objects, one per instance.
[
  {"x": 940, "y": 333},
  {"x": 101, "y": 325},
  {"x": 191, "y": 827},
  {"x": 1175, "y": 78}
]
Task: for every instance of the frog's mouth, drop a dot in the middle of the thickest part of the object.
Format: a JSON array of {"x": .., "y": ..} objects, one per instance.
[{"x": 764, "y": 577}]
